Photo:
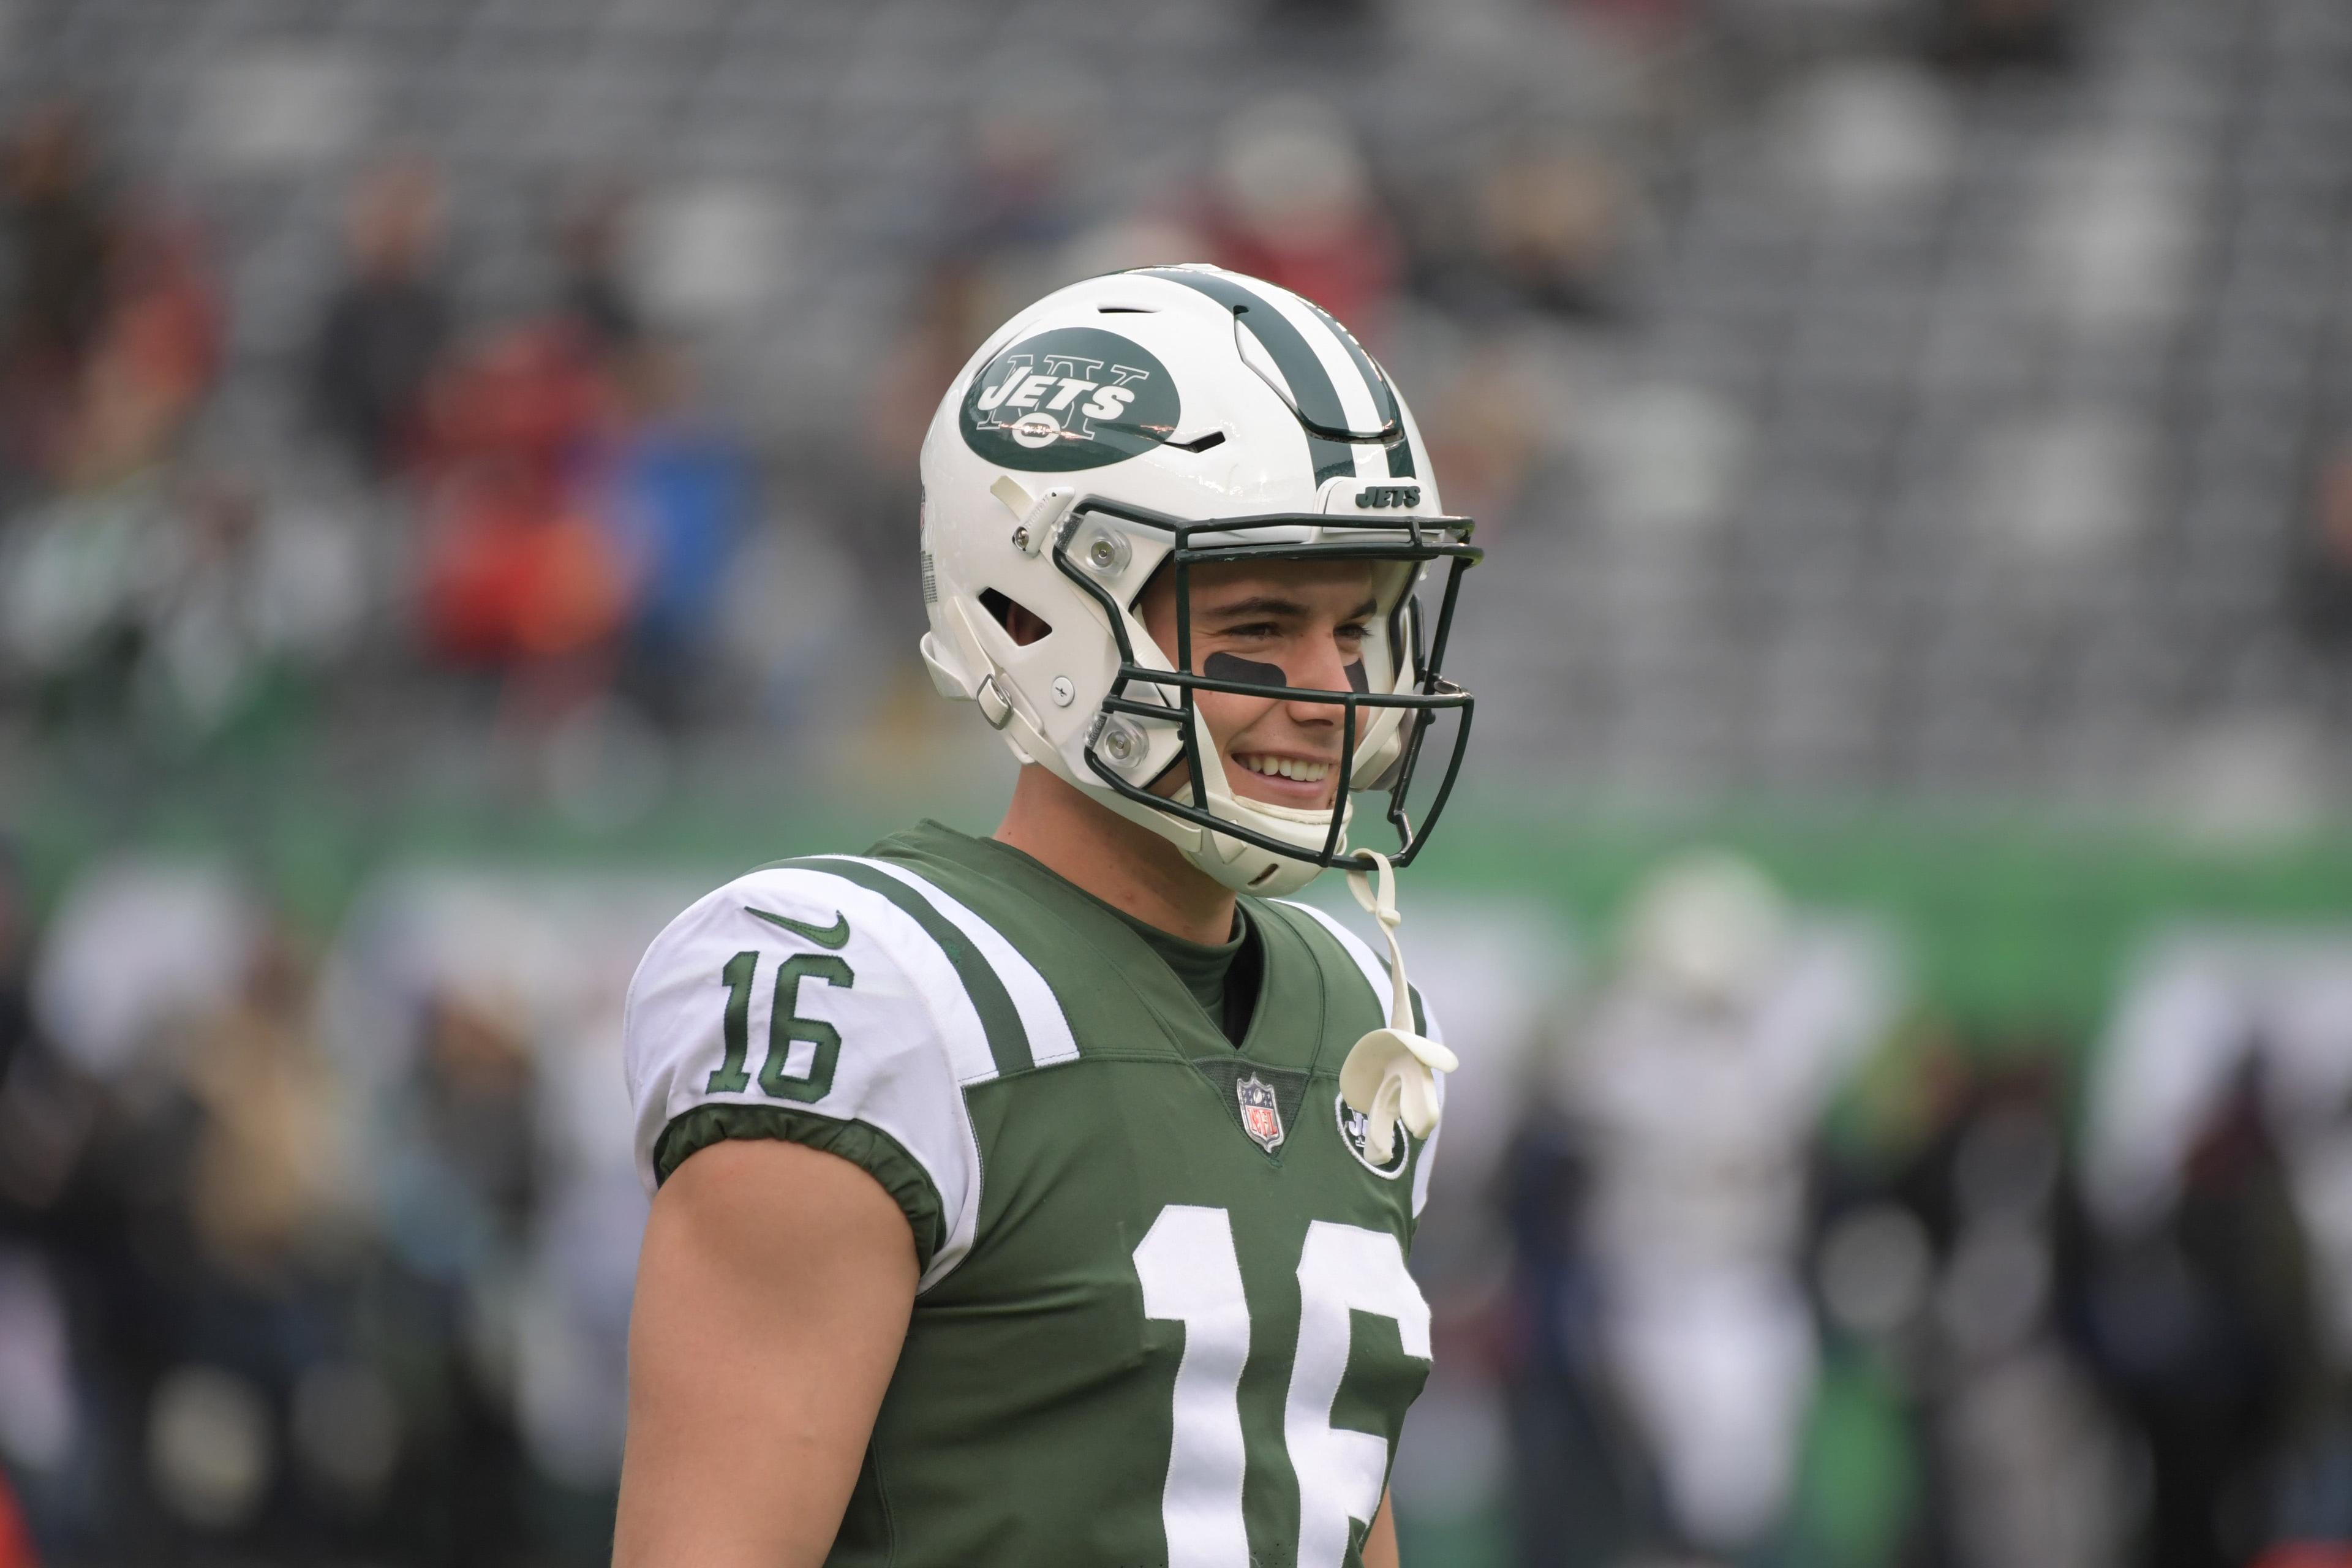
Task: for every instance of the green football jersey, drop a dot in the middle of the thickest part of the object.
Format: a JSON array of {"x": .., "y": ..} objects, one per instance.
[{"x": 1164, "y": 1315}]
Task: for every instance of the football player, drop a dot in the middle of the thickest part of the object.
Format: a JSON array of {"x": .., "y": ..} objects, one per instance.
[{"x": 1045, "y": 1198}]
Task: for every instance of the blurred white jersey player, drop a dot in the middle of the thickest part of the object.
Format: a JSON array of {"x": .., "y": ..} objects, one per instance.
[{"x": 1696, "y": 1083}]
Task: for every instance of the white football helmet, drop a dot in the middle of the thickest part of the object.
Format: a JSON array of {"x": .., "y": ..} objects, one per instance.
[{"x": 1182, "y": 415}]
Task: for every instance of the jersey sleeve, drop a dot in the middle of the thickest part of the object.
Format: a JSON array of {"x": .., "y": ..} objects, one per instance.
[{"x": 796, "y": 1004}]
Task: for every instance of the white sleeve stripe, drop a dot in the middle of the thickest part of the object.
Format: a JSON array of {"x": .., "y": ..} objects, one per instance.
[
  {"x": 959, "y": 1021},
  {"x": 1376, "y": 974},
  {"x": 1051, "y": 1040}
]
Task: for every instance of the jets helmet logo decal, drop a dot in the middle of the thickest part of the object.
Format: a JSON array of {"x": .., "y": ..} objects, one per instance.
[{"x": 1076, "y": 397}]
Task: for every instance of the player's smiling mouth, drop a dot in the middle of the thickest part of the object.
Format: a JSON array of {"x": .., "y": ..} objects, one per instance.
[
  {"x": 1267, "y": 765},
  {"x": 1288, "y": 780}
]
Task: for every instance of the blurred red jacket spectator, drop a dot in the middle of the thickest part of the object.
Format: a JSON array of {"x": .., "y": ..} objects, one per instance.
[
  {"x": 516, "y": 564},
  {"x": 156, "y": 352}
]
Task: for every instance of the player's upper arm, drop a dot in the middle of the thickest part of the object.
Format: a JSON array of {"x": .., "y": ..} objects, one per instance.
[
  {"x": 796, "y": 1005},
  {"x": 773, "y": 1299}
]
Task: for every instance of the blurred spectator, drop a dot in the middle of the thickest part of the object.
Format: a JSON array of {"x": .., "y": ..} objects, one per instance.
[
  {"x": 1008, "y": 209},
  {"x": 155, "y": 353},
  {"x": 2322, "y": 568},
  {"x": 1544, "y": 226},
  {"x": 678, "y": 498},
  {"x": 1486, "y": 428},
  {"x": 386, "y": 323},
  {"x": 15, "y": 963},
  {"x": 46, "y": 1113},
  {"x": 255, "y": 595},
  {"x": 1291, "y": 201},
  {"x": 2206, "y": 1325},
  {"x": 268, "y": 1180},
  {"x": 460, "y": 1190},
  {"x": 1551, "y": 224},
  {"x": 944, "y": 323},
  {"x": 519, "y": 572},
  {"x": 59, "y": 234},
  {"x": 2029, "y": 1469},
  {"x": 179, "y": 602},
  {"x": 1005, "y": 235},
  {"x": 590, "y": 246},
  {"x": 1585, "y": 1490}
]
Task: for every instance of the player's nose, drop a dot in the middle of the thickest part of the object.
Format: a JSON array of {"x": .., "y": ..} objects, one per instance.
[{"x": 1321, "y": 666}]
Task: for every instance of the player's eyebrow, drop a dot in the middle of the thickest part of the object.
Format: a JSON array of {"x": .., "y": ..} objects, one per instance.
[
  {"x": 1259, "y": 604},
  {"x": 1274, "y": 605}
]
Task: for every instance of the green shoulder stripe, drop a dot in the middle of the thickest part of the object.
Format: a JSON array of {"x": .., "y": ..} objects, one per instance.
[{"x": 1008, "y": 1039}]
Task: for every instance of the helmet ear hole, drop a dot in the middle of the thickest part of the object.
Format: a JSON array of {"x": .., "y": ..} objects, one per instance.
[{"x": 1021, "y": 623}]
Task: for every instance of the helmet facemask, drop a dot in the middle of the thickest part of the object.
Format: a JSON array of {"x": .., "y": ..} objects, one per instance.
[{"x": 1149, "y": 724}]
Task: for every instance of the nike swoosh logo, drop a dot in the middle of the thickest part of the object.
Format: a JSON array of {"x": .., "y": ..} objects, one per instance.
[{"x": 835, "y": 936}]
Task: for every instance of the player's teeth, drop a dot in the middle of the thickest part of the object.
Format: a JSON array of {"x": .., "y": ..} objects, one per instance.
[{"x": 1287, "y": 768}]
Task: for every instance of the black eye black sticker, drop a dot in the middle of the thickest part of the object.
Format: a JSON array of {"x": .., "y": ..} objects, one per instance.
[{"x": 1233, "y": 667}]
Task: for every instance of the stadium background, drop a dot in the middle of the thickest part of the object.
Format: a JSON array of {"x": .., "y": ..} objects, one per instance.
[{"x": 457, "y": 501}]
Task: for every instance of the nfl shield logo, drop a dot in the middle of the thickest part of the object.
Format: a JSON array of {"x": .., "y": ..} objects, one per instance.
[{"x": 1261, "y": 1116}]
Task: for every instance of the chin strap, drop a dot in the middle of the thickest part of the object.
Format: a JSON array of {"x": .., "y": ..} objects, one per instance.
[{"x": 1391, "y": 1075}]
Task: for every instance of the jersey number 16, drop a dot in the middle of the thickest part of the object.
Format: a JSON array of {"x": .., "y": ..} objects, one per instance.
[{"x": 1192, "y": 1275}]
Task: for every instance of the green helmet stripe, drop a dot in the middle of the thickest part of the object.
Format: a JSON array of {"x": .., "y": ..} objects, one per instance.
[
  {"x": 1310, "y": 383},
  {"x": 1384, "y": 398}
]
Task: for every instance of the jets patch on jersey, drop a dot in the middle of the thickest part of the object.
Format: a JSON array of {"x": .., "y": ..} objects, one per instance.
[{"x": 1147, "y": 1255}]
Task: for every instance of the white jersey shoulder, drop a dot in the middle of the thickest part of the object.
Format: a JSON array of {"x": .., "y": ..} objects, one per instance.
[{"x": 797, "y": 989}]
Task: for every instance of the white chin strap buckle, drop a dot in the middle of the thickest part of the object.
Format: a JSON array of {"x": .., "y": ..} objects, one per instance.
[{"x": 1391, "y": 1075}]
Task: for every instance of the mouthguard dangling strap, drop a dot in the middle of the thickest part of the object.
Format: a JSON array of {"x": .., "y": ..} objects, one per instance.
[
  {"x": 1391, "y": 1075},
  {"x": 1381, "y": 906}
]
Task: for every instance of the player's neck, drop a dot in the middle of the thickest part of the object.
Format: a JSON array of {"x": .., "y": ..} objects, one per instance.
[{"x": 1123, "y": 863}]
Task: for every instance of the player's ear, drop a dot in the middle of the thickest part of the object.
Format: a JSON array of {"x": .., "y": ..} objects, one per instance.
[{"x": 1023, "y": 625}]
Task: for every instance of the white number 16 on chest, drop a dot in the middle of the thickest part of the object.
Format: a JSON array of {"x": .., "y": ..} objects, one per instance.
[{"x": 1192, "y": 1275}]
